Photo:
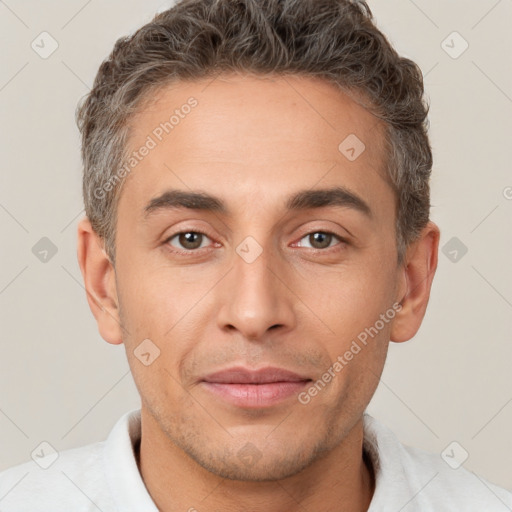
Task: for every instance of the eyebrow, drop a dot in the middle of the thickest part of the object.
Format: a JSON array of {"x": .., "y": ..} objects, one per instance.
[{"x": 302, "y": 200}]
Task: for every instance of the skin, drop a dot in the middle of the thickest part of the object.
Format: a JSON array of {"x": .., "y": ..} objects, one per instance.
[{"x": 252, "y": 142}]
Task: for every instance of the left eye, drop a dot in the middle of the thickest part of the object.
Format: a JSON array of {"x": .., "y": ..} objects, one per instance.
[
  {"x": 320, "y": 239},
  {"x": 189, "y": 240}
]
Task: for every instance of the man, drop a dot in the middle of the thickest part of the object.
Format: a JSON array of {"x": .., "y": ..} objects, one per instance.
[{"x": 256, "y": 188}]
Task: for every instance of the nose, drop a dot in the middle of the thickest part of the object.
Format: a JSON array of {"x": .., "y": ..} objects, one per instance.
[{"x": 256, "y": 296}]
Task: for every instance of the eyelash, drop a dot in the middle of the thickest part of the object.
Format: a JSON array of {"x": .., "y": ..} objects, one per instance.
[{"x": 189, "y": 252}]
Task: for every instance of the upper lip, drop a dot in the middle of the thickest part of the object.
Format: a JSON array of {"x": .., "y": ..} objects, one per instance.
[{"x": 241, "y": 375}]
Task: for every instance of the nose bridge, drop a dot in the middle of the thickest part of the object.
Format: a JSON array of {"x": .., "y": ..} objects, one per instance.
[{"x": 254, "y": 298}]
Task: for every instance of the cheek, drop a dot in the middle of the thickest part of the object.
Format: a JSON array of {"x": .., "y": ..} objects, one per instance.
[
  {"x": 357, "y": 354},
  {"x": 357, "y": 307},
  {"x": 155, "y": 299},
  {"x": 350, "y": 301},
  {"x": 164, "y": 306}
]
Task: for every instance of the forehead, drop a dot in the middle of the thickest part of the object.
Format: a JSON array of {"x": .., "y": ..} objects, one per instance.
[{"x": 256, "y": 136}]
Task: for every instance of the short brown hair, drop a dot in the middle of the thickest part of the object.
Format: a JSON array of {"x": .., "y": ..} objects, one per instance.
[{"x": 335, "y": 40}]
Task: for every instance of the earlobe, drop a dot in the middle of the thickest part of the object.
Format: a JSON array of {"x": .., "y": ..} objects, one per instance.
[
  {"x": 99, "y": 280},
  {"x": 418, "y": 272}
]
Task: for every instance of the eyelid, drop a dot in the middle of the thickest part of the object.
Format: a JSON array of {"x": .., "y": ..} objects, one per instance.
[
  {"x": 167, "y": 240},
  {"x": 190, "y": 252},
  {"x": 341, "y": 239}
]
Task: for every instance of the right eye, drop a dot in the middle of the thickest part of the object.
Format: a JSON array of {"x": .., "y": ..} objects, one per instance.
[{"x": 189, "y": 241}]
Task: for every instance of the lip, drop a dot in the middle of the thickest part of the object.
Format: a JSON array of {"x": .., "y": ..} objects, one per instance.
[{"x": 260, "y": 388}]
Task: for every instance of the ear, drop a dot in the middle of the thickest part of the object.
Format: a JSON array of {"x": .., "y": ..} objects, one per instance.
[
  {"x": 100, "y": 284},
  {"x": 417, "y": 273}
]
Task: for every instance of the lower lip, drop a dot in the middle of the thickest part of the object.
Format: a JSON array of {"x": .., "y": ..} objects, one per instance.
[{"x": 256, "y": 395}]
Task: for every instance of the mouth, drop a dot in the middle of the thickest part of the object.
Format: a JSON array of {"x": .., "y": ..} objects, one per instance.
[{"x": 255, "y": 388}]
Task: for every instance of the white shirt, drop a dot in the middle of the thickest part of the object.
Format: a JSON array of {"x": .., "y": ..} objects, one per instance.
[{"x": 104, "y": 477}]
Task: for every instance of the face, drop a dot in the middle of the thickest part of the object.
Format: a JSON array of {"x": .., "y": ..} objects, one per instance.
[{"x": 251, "y": 279}]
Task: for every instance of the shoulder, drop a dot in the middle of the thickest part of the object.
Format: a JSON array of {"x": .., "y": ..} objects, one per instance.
[
  {"x": 417, "y": 480},
  {"x": 73, "y": 479},
  {"x": 452, "y": 484}
]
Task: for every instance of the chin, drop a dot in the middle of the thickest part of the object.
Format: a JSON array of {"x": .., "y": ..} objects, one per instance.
[
  {"x": 249, "y": 464},
  {"x": 268, "y": 472}
]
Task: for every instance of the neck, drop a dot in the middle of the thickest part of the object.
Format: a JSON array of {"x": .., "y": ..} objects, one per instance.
[{"x": 342, "y": 479}]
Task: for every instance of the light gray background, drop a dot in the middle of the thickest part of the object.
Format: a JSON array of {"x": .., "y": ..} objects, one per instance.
[{"x": 63, "y": 384}]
